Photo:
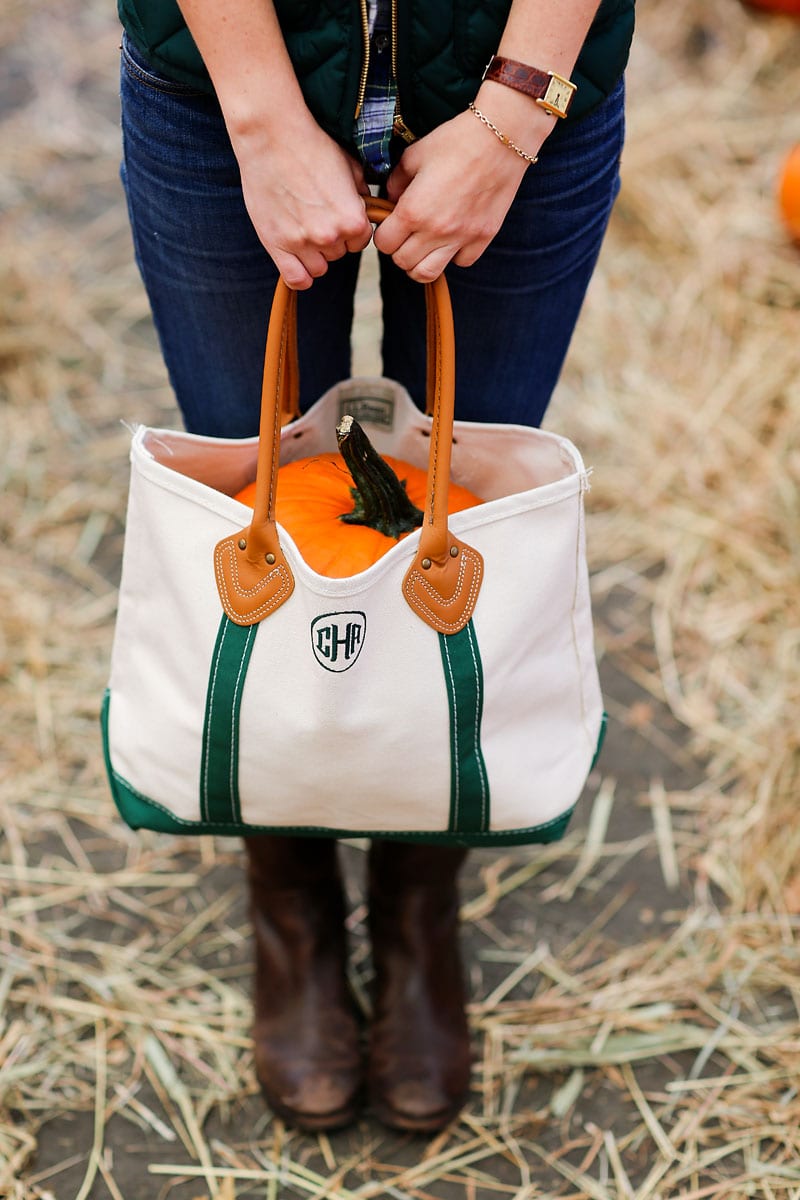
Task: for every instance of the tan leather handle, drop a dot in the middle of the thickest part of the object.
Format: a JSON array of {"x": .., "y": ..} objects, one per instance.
[
  {"x": 443, "y": 581},
  {"x": 377, "y": 209}
]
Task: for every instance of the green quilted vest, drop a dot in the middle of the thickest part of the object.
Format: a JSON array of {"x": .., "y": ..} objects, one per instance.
[{"x": 442, "y": 50}]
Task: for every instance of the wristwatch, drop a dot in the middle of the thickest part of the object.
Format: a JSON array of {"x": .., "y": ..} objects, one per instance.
[{"x": 550, "y": 91}]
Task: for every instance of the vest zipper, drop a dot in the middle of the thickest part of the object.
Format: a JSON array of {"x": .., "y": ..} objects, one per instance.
[
  {"x": 362, "y": 83},
  {"x": 399, "y": 124}
]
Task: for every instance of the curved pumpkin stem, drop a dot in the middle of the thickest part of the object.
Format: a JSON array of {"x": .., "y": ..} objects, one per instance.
[{"x": 381, "y": 501}]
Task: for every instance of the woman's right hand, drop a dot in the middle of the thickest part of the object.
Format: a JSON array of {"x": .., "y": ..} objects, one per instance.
[
  {"x": 305, "y": 196},
  {"x": 302, "y": 191}
]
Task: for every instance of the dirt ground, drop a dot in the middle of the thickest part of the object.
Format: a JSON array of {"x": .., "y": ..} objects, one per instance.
[{"x": 629, "y": 886}]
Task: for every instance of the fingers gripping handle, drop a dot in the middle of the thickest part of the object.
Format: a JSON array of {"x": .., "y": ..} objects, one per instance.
[{"x": 443, "y": 581}]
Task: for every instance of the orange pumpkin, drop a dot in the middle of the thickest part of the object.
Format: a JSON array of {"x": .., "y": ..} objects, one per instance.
[
  {"x": 344, "y": 511},
  {"x": 792, "y": 7},
  {"x": 789, "y": 192}
]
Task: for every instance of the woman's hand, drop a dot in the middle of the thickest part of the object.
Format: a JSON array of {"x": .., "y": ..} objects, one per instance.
[
  {"x": 301, "y": 189},
  {"x": 453, "y": 188},
  {"x": 304, "y": 194}
]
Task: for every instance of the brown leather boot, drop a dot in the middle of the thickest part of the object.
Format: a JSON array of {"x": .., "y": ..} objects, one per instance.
[
  {"x": 307, "y": 1052},
  {"x": 419, "y": 1052}
]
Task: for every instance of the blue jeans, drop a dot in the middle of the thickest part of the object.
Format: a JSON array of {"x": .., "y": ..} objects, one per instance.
[{"x": 210, "y": 281}]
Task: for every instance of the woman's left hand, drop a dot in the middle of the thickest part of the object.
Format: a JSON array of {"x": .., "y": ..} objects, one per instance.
[{"x": 452, "y": 190}]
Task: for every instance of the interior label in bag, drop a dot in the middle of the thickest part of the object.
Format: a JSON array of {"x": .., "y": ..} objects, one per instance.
[
  {"x": 369, "y": 410},
  {"x": 337, "y": 638}
]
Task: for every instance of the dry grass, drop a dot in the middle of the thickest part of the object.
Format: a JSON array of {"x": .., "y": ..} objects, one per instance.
[
  {"x": 669, "y": 1067},
  {"x": 694, "y": 419}
]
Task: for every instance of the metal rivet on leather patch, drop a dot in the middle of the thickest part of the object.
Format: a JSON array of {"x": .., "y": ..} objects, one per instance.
[
  {"x": 242, "y": 544},
  {"x": 454, "y": 551},
  {"x": 270, "y": 558},
  {"x": 425, "y": 564}
]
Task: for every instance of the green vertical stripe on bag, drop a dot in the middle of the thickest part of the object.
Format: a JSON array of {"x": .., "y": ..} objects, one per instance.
[
  {"x": 219, "y": 769},
  {"x": 469, "y": 785}
]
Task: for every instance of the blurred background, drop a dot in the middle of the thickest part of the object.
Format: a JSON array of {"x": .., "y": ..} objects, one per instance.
[{"x": 636, "y": 988}]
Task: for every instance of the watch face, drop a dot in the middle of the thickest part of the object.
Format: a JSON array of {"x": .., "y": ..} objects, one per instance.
[{"x": 558, "y": 95}]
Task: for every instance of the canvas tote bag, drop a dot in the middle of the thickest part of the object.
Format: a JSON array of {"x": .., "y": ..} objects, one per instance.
[{"x": 448, "y": 694}]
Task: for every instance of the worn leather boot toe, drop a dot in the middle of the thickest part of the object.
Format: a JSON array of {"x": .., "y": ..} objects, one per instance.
[
  {"x": 419, "y": 1050},
  {"x": 306, "y": 1032}
]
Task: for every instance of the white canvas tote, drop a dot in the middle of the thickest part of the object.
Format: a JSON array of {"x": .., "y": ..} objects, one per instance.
[{"x": 449, "y": 693}]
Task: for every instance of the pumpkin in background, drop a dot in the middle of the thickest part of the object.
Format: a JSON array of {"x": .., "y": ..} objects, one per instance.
[
  {"x": 789, "y": 192},
  {"x": 345, "y": 510},
  {"x": 792, "y": 7}
]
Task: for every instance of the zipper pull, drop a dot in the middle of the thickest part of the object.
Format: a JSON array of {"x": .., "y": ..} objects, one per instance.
[{"x": 399, "y": 127}]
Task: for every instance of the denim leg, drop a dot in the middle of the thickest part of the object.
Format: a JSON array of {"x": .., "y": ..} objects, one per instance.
[
  {"x": 208, "y": 278},
  {"x": 515, "y": 309}
]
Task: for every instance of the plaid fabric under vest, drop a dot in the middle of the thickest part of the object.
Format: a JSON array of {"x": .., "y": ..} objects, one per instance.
[{"x": 373, "y": 127}]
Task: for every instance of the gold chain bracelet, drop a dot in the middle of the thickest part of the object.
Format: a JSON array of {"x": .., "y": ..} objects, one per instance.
[{"x": 529, "y": 158}]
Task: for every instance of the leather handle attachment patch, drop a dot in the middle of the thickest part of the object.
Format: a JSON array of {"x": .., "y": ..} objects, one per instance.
[
  {"x": 251, "y": 583},
  {"x": 443, "y": 592}
]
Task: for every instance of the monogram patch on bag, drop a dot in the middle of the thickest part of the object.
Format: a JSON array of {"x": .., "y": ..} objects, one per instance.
[{"x": 337, "y": 639}]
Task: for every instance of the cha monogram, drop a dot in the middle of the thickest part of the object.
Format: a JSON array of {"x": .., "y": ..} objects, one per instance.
[{"x": 337, "y": 639}]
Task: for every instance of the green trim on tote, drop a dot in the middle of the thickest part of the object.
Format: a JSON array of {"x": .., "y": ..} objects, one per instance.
[
  {"x": 219, "y": 768},
  {"x": 470, "y": 810},
  {"x": 139, "y": 812},
  {"x": 601, "y": 737}
]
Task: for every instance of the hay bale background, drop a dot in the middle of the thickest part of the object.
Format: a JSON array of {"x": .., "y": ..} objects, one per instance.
[{"x": 626, "y": 1048}]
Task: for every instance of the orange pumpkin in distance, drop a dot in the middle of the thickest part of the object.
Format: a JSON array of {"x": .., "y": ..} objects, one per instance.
[
  {"x": 344, "y": 511},
  {"x": 789, "y": 192},
  {"x": 791, "y": 7}
]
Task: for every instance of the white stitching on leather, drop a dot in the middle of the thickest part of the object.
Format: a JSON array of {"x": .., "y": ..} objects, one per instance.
[
  {"x": 417, "y": 602},
  {"x": 276, "y": 598}
]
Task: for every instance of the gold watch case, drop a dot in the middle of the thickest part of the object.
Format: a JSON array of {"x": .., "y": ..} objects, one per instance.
[{"x": 556, "y": 99}]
